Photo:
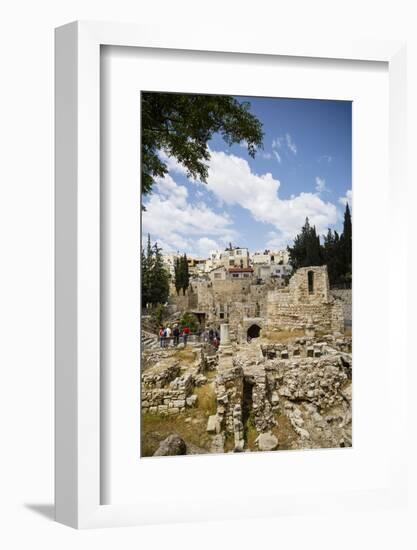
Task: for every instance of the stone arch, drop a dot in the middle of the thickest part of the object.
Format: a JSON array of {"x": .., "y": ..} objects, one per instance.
[{"x": 254, "y": 331}]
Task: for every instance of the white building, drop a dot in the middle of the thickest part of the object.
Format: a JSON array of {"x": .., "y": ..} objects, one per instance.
[
  {"x": 272, "y": 271},
  {"x": 233, "y": 257},
  {"x": 218, "y": 273},
  {"x": 240, "y": 273},
  {"x": 270, "y": 257}
]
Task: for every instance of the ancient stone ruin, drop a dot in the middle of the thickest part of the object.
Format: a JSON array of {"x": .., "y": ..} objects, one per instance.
[{"x": 281, "y": 378}]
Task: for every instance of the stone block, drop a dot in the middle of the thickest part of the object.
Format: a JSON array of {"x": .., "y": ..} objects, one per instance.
[
  {"x": 267, "y": 442},
  {"x": 213, "y": 424},
  {"x": 191, "y": 401}
]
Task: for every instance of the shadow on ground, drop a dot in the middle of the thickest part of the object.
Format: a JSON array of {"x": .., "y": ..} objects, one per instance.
[{"x": 45, "y": 510}]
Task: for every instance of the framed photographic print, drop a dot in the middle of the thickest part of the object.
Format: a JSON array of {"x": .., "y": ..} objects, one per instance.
[{"x": 218, "y": 310}]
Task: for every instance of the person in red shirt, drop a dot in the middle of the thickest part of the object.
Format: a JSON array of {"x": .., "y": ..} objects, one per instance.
[
  {"x": 161, "y": 337},
  {"x": 185, "y": 333}
]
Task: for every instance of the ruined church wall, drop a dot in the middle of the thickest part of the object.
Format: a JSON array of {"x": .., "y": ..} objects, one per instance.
[
  {"x": 324, "y": 317},
  {"x": 344, "y": 297},
  {"x": 298, "y": 306},
  {"x": 299, "y": 287}
]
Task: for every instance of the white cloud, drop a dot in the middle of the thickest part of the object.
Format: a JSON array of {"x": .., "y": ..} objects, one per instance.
[
  {"x": 266, "y": 156},
  {"x": 347, "y": 198},
  {"x": 205, "y": 245},
  {"x": 277, "y": 142},
  {"x": 196, "y": 228},
  {"x": 325, "y": 158},
  {"x": 232, "y": 181},
  {"x": 276, "y": 241},
  {"x": 172, "y": 163},
  {"x": 179, "y": 225},
  {"x": 277, "y": 156},
  {"x": 321, "y": 185},
  {"x": 290, "y": 144}
]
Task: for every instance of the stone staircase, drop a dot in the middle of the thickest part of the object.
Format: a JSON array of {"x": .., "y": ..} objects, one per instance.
[{"x": 149, "y": 340}]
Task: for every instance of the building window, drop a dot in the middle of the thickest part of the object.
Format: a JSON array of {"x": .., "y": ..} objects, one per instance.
[
  {"x": 231, "y": 262},
  {"x": 235, "y": 275},
  {"x": 246, "y": 274},
  {"x": 217, "y": 275},
  {"x": 310, "y": 276}
]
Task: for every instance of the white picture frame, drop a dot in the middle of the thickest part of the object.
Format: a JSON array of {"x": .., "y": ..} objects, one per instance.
[{"x": 78, "y": 405}]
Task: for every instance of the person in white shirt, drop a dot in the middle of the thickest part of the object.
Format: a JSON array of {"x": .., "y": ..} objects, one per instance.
[{"x": 168, "y": 335}]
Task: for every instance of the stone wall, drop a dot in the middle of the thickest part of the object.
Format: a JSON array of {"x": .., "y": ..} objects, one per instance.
[
  {"x": 299, "y": 286},
  {"x": 170, "y": 399},
  {"x": 317, "y": 381},
  {"x": 344, "y": 297},
  {"x": 298, "y": 306},
  {"x": 229, "y": 391},
  {"x": 277, "y": 377},
  {"x": 295, "y": 307}
]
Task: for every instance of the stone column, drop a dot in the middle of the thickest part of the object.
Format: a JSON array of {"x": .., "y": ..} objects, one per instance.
[
  {"x": 225, "y": 348},
  {"x": 224, "y": 334}
]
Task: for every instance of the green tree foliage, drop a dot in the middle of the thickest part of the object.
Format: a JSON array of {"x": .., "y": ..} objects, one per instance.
[
  {"x": 189, "y": 320},
  {"x": 159, "y": 314},
  {"x": 306, "y": 249},
  {"x": 183, "y": 124},
  {"x": 181, "y": 274},
  {"x": 185, "y": 274},
  {"x": 177, "y": 275},
  {"x": 147, "y": 269},
  {"x": 335, "y": 252},
  {"x": 346, "y": 244},
  {"x": 155, "y": 277}
]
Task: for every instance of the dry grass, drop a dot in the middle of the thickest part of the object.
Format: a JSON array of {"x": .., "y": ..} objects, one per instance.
[
  {"x": 186, "y": 355},
  {"x": 284, "y": 432},
  {"x": 210, "y": 374},
  {"x": 250, "y": 435},
  {"x": 190, "y": 425},
  {"x": 229, "y": 443},
  {"x": 155, "y": 428},
  {"x": 206, "y": 399},
  {"x": 282, "y": 336}
]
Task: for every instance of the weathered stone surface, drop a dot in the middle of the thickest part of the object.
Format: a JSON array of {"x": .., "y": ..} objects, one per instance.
[
  {"x": 300, "y": 385},
  {"x": 171, "y": 446},
  {"x": 200, "y": 380},
  {"x": 267, "y": 442},
  {"x": 213, "y": 424},
  {"x": 191, "y": 401},
  {"x": 217, "y": 445}
]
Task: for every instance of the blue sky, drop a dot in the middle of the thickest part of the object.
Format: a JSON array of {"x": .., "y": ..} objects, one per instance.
[{"x": 305, "y": 169}]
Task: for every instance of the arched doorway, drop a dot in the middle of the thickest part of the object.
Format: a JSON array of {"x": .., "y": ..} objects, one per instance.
[{"x": 254, "y": 331}]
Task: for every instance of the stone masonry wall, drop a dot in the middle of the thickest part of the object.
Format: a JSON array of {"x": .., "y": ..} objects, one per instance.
[
  {"x": 171, "y": 399},
  {"x": 298, "y": 306},
  {"x": 344, "y": 297}
]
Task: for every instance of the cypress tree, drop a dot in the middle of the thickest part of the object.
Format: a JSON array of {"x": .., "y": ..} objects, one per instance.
[
  {"x": 185, "y": 275},
  {"x": 159, "y": 278},
  {"x": 178, "y": 274},
  {"x": 155, "y": 277},
  {"x": 346, "y": 244},
  {"x": 147, "y": 265},
  {"x": 307, "y": 250}
]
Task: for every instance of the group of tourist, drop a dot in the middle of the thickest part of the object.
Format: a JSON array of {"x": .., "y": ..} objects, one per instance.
[
  {"x": 211, "y": 336},
  {"x": 175, "y": 333},
  {"x": 166, "y": 334}
]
